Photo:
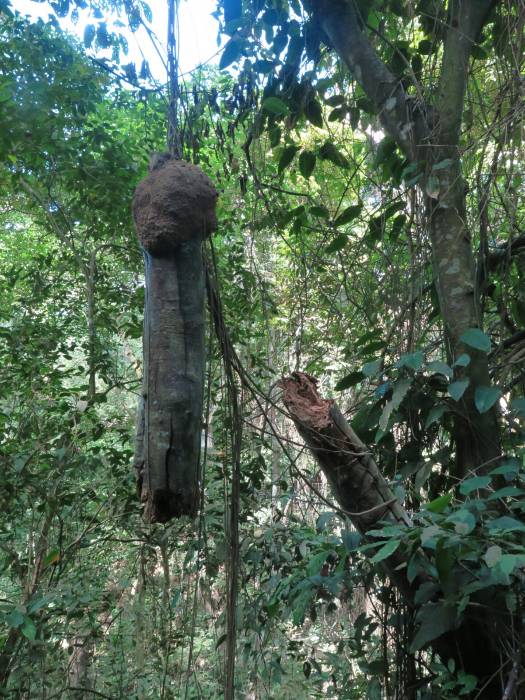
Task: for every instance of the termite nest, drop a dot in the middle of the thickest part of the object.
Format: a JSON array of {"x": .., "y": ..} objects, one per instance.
[{"x": 174, "y": 204}]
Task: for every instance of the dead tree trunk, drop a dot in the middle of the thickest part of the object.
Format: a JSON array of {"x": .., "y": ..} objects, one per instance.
[
  {"x": 364, "y": 495},
  {"x": 355, "y": 480},
  {"x": 174, "y": 210}
]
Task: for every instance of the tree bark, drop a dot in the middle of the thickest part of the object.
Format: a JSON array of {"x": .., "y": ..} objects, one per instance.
[
  {"x": 364, "y": 495},
  {"x": 169, "y": 425},
  {"x": 355, "y": 480},
  {"x": 174, "y": 211},
  {"x": 432, "y": 136}
]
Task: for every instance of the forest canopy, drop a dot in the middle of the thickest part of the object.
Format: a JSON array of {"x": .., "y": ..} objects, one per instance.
[{"x": 357, "y": 518}]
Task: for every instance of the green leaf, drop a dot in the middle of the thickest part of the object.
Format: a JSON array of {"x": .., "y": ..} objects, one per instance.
[
  {"x": 103, "y": 39},
  {"x": 29, "y": 629},
  {"x": 442, "y": 164},
  {"x": 338, "y": 114},
  {"x": 221, "y": 640},
  {"x": 423, "y": 474},
  {"x": 338, "y": 243},
  {"x": 389, "y": 212},
  {"x": 262, "y": 66},
  {"x": 374, "y": 690},
  {"x": 400, "y": 391},
  {"x": 506, "y": 523},
  {"x": 440, "y": 368},
  {"x": 439, "y": 504},
  {"x": 349, "y": 214},
  {"x": 463, "y": 520},
  {"x": 493, "y": 555},
  {"x": 473, "y": 484},
  {"x": 231, "y": 52},
  {"x": 509, "y": 469},
  {"x": 475, "y": 338},
  {"x": 457, "y": 389},
  {"x": 287, "y": 155},
  {"x": 435, "y": 414},
  {"x": 426, "y": 591},
  {"x": 321, "y": 212},
  {"x": 434, "y": 619},
  {"x": 314, "y": 113},
  {"x": 275, "y": 136},
  {"x": 350, "y": 380},
  {"x": 15, "y": 618},
  {"x": 307, "y": 161},
  {"x": 335, "y": 100},
  {"x": 432, "y": 187},
  {"x": 316, "y": 562},
  {"x": 274, "y": 105},
  {"x": 506, "y": 492},
  {"x": 329, "y": 152},
  {"x": 375, "y": 229},
  {"x": 371, "y": 368},
  {"x": 324, "y": 519},
  {"x": 518, "y": 408},
  {"x": 479, "y": 52},
  {"x": 52, "y": 558},
  {"x": 385, "y": 551},
  {"x": 89, "y": 35},
  {"x": 351, "y": 540},
  {"x": 425, "y": 47},
  {"x": 485, "y": 397},
  {"x": 412, "y": 360},
  {"x": 299, "y": 606},
  {"x": 462, "y": 361},
  {"x": 445, "y": 558},
  {"x": 508, "y": 563}
]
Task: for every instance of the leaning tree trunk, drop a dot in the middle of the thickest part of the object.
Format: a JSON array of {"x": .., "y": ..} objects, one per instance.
[
  {"x": 430, "y": 136},
  {"x": 365, "y": 497},
  {"x": 174, "y": 210}
]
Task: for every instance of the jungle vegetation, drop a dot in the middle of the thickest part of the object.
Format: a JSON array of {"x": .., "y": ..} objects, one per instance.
[{"x": 370, "y": 249}]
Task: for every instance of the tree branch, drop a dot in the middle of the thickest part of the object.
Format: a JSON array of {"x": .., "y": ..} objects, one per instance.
[
  {"x": 406, "y": 125},
  {"x": 466, "y": 19}
]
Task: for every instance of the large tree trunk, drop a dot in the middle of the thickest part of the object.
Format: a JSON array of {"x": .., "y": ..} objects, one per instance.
[
  {"x": 365, "y": 497},
  {"x": 430, "y": 135}
]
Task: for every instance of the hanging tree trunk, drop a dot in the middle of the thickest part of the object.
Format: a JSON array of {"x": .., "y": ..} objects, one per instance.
[{"x": 174, "y": 211}]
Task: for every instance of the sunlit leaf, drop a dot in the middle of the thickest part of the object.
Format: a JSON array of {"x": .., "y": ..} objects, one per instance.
[{"x": 438, "y": 505}]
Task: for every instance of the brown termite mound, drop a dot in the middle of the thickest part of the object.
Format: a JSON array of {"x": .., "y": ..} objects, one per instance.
[{"x": 174, "y": 211}]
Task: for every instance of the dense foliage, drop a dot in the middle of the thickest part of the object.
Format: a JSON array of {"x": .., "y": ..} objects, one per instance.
[{"x": 325, "y": 261}]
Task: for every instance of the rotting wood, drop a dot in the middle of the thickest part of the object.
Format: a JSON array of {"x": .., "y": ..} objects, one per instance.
[
  {"x": 174, "y": 211},
  {"x": 355, "y": 480},
  {"x": 364, "y": 495}
]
